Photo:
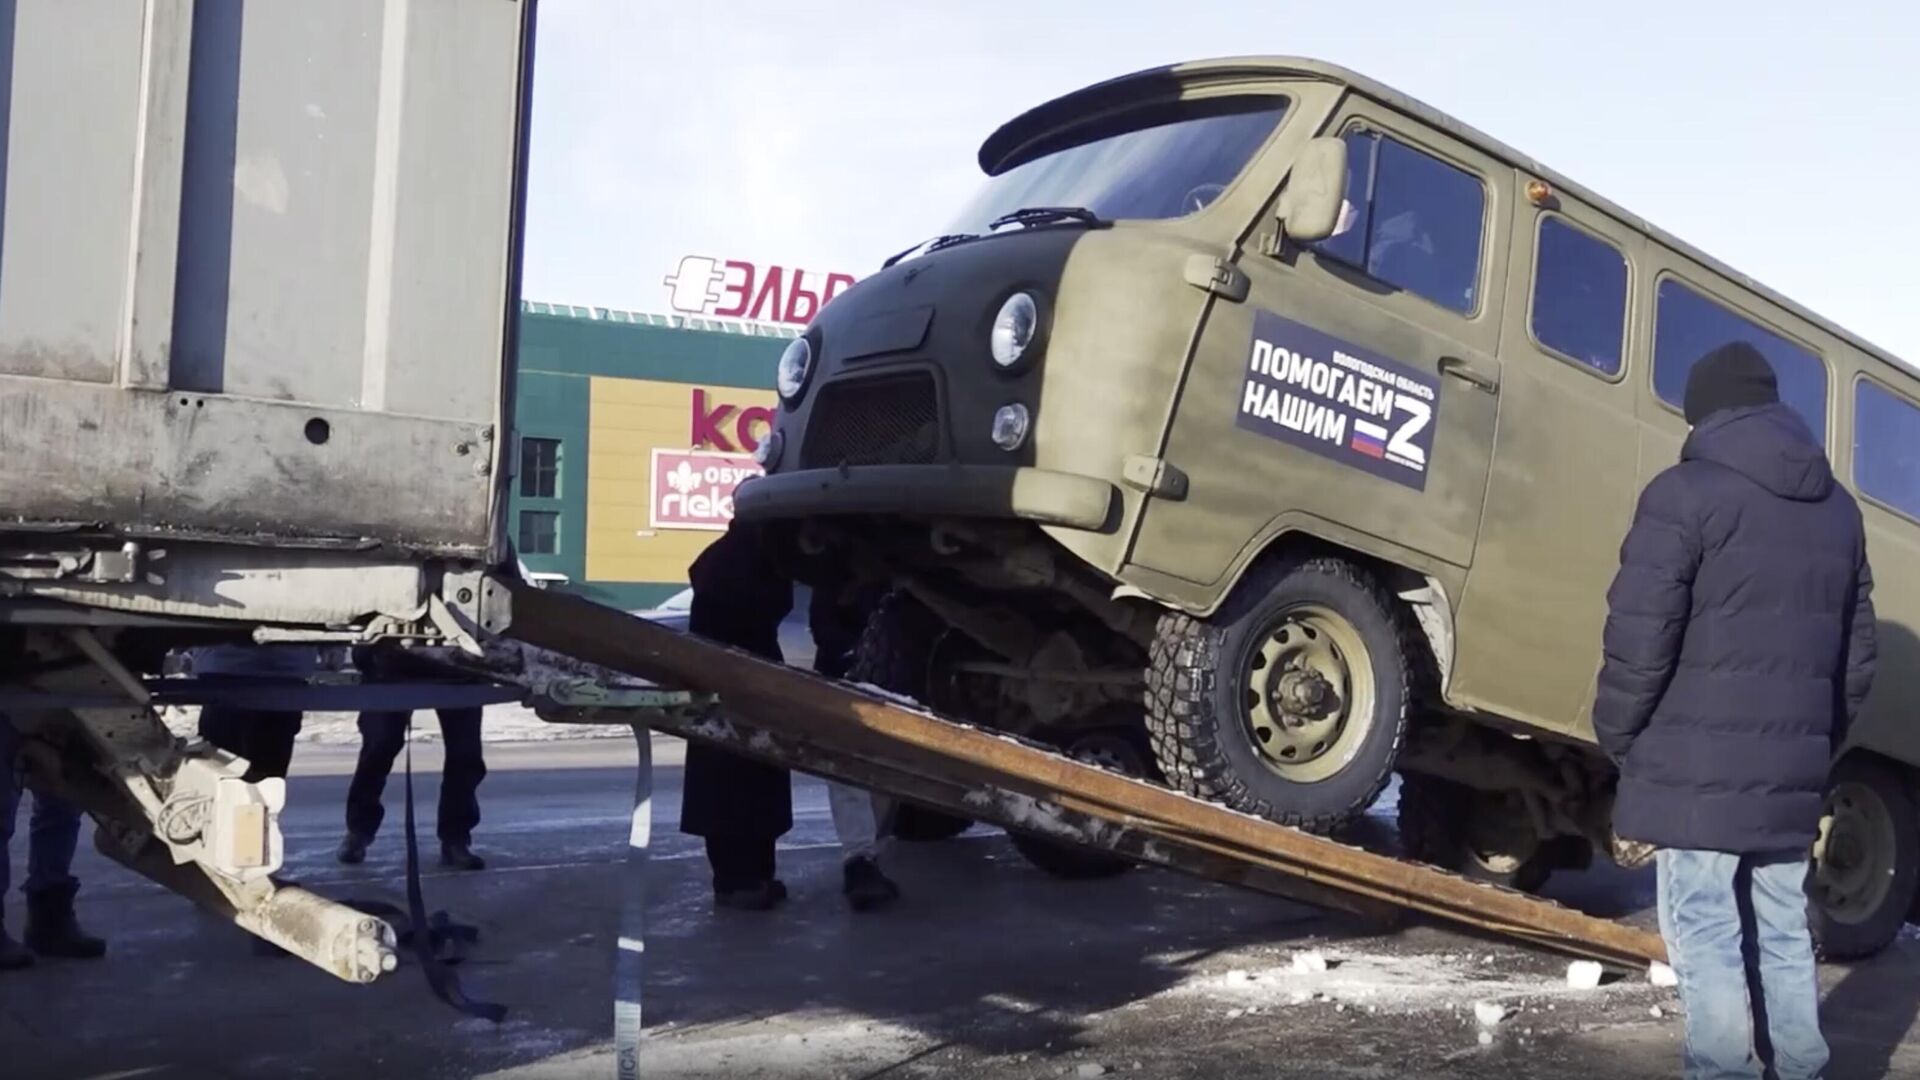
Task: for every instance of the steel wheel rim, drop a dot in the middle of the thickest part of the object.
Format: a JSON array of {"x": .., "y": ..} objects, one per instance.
[
  {"x": 1856, "y": 872},
  {"x": 1310, "y": 694}
]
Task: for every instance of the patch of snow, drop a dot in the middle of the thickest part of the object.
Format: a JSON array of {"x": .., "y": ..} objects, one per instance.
[
  {"x": 888, "y": 695},
  {"x": 1662, "y": 976},
  {"x": 1032, "y": 815},
  {"x": 1383, "y": 983},
  {"x": 1489, "y": 1013},
  {"x": 1313, "y": 962},
  {"x": 1659, "y": 1013},
  {"x": 1486, "y": 1038},
  {"x": 1090, "y": 1070},
  {"x": 1584, "y": 975}
]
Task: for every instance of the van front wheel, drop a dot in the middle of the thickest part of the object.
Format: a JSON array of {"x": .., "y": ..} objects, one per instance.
[{"x": 1292, "y": 702}]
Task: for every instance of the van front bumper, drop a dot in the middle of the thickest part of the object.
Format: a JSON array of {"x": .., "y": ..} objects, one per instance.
[{"x": 976, "y": 491}]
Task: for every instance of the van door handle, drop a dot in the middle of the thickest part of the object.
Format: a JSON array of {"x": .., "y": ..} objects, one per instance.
[{"x": 1457, "y": 368}]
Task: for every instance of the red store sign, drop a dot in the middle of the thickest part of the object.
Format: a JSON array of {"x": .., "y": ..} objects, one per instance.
[{"x": 736, "y": 289}]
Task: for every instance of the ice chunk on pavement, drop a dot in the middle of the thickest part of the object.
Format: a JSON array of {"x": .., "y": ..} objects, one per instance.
[
  {"x": 1659, "y": 1013},
  {"x": 1309, "y": 963},
  {"x": 1584, "y": 974},
  {"x": 1489, "y": 1013},
  {"x": 1090, "y": 1070},
  {"x": 1661, "y": 975},
  {"x": 1486, "y": 1038}
]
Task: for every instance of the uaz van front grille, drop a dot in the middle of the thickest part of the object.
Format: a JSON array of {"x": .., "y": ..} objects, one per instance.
[{"x": 887, "y": 420}]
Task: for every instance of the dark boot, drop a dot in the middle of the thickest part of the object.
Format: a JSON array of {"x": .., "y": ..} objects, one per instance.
[
  {"x": 13, "y": 956},
  {"x": 353, "y": 849},
  {"x": 868, "y": 889},
  {"x": 460, "y": 857},
  {"x": 762, "y": 897},
  {"x": 52, "y": 929}
]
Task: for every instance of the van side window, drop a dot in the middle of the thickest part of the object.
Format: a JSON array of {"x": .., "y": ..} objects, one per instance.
[
  {"x": 1886, "y": 448},
  {"x": 1579, "y": 295},
  {"x": 1411, "y": 221},
  {"x": 1688, "y": 326}
]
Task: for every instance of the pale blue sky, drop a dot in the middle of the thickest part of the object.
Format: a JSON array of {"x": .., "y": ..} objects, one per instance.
[{"x": 1783, "y": 137}]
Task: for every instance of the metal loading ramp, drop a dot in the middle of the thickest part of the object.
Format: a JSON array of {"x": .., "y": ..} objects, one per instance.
[{"x": 793, "y": 718}]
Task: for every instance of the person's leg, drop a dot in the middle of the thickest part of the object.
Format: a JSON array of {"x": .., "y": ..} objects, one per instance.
[
  {"x": 743, "y": 868},
  {"x": 270, "y": 744},
  {"x": 382, "y": 734},
  {"x": 52, "y": 927},
  {"x": 1700, "y": 920},
  {"x": 12, "y": 955},
  {"x": 859, "y": 819},
  {"x": 460, "y": 780},
  {"x": 1787, "y": 971}
]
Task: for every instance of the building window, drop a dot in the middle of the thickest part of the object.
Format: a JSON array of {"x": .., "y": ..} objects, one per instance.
[
  {"x": 1579, "y": 296},
  {"x": 1886, "y": 448},
  {"x": 1411, "y": 221},
  {"x": 539, "y": 468},
  {"x": 539, "y": 532},
  {"x": 1688, "y": 326}
]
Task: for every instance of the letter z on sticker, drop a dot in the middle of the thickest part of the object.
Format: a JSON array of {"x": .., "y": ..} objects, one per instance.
[{"x": 1338, "y": 400}]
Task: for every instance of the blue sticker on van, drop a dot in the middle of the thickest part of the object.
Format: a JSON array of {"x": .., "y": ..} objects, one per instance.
[{"x": 1340, "y": 401}]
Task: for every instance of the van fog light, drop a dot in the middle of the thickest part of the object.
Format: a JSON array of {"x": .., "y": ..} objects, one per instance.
[{"x": 1010, "y": 426}]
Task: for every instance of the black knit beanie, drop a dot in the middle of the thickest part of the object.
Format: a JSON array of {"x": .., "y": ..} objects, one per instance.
[{"x": 1733, "y": 376}]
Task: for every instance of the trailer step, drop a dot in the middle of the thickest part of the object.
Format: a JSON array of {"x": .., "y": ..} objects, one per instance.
[{"x": 863, "y": 736}]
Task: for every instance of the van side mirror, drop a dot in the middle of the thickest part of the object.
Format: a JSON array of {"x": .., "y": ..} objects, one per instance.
[{"x": 1309, "y": 208}]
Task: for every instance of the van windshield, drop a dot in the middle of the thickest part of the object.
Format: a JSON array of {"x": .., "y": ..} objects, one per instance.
[{"x": 1164, "y": 170}]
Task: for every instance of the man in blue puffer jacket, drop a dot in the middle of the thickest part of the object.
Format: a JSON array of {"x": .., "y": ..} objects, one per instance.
[{"x": 1739, "y": 646}]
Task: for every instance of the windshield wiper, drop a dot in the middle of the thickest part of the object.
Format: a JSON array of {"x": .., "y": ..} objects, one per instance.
[
  {"x": 934, "y": 244},
  {"x": 1032, "y": 216}
]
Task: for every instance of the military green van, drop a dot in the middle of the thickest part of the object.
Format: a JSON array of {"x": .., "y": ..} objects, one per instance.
[{"x": 1268, "y": 432}]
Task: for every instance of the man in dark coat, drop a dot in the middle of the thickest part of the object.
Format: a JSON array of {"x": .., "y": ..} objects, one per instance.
[
  {"x": 740, "y": 806},
  {"x": 1739, "y": 646}
]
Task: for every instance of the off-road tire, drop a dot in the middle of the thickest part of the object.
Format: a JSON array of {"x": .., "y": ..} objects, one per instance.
[
  {"x": 1077, "y": 862},
  {"x": 1195, "y": 710},
  {"x": 894, "y": 653},
  {"x": 1434, "y": 817},
  {"x": 1867, "y": 933}
]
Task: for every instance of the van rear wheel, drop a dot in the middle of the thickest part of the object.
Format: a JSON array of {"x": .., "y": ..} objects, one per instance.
[
  {"x": 1292, "y": 702},
  {"x": 1470, "y": 833},
  {"x": 1115, "y": 749},
  {"x": 1865, "y": 879}
]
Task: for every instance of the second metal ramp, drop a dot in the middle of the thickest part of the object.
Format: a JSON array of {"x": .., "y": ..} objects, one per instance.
[{"x": 793, "y": 718}]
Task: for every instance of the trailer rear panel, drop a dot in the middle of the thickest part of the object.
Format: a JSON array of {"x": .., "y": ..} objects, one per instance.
[{"x": 257, "y": 266}]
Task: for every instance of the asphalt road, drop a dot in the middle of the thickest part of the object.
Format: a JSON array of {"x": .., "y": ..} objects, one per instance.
[{"x": 989, "y": 969}]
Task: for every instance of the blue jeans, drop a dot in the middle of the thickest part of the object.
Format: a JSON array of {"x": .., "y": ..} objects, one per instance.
[
  {"x": 52, "y": 836},
  {"x": 1700, "y": 901}
]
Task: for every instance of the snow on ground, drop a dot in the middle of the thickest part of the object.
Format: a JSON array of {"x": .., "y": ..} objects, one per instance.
[
  {"x": 1396, "y": 983},
  {"x": 503, "y": 723}
]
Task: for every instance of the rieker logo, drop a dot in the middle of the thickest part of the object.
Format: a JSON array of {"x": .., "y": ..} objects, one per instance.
[{"x": 694, "y": 490}]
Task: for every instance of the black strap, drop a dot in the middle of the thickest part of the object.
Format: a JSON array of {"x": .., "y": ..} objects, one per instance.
[{"x": 438, "y": 928}]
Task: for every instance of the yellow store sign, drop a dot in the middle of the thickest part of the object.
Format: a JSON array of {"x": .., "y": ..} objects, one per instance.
[{"x": 663, "y": 460}]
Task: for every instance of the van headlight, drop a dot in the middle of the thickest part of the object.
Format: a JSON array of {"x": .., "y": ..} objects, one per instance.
[
  {"x": 795, "y": 365},
  {"x": 1014, "y": 329}
]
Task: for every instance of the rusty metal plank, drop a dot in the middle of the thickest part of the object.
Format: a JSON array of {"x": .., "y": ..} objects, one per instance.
[{"x": 822, "y": 726}]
